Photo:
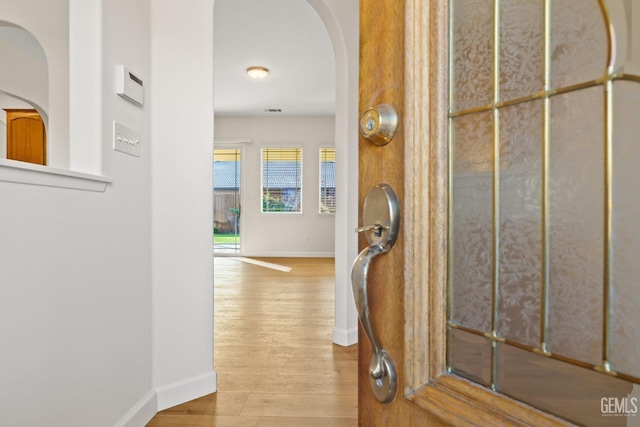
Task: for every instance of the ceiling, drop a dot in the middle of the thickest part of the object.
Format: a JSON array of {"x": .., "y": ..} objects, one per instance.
[{"x": 285, "y": 36}]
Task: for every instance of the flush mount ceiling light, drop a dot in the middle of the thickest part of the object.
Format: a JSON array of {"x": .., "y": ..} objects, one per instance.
[{"x": 258, "y": 72}]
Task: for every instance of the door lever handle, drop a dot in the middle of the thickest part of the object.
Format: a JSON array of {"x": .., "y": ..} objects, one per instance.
[
  {"x": 381, "y": 208},
  {"x": 382, "y": 372}
]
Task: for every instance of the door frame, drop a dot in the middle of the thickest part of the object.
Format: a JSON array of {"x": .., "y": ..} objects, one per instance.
[
  {"x": 427, "y": 383},
  {"x": 235, "y": 144}
]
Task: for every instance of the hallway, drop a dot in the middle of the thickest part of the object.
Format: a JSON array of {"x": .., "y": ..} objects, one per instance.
[{"x": 274, "y": 357}]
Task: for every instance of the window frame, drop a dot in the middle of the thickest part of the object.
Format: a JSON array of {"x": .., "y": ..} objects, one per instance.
[
  {"x": 262, "y": 187},
  {"x": 320, "y": 161}
]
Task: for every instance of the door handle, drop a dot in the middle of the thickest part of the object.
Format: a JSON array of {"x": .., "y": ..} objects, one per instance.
[{"x": 382, "y": 214}]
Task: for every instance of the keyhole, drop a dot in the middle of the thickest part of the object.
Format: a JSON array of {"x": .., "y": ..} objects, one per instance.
[{"x": 371, "y": 123}]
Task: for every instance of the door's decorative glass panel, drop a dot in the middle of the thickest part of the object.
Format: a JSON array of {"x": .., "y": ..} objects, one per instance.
[
  {"x": 472, "y": 51},
  {"x": 520, "y": 222},
  {"x": 472, "y": 190},
  {"x": 576, "y": 225},
  {"x": 625, "y": 304},
  {"x": 554, "y": 289},
  {"x": 578, "y": 42},
  {"x": 521, "y": 48},
  {"x": 471, "y": 356},
  {"x": 569, "y": 391}
]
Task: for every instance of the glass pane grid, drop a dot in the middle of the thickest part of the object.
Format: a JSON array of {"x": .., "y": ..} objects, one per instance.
[{"x": 459, "y": 237}]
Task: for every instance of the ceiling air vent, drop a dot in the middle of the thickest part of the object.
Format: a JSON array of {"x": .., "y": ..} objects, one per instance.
[{"x": 273, "y": 110}]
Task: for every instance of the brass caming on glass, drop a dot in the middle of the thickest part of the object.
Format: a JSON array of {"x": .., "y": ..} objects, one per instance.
[{"x": 545, "y": 96}]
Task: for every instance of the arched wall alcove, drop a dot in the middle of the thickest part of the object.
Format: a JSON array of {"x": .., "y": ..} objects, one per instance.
[
  {"x": 27, "y": 79},
  {"x": 25, "y": 83},
  {"x": 44, "y": 56}
]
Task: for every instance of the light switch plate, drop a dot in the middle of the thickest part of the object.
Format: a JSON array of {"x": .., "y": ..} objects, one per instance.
[{"x": 126, "y": 140}]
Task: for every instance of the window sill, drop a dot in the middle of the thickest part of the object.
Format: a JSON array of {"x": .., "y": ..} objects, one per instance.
[
  {"x": 280, "y": 213},
  {"x": 32, "y": 174}
]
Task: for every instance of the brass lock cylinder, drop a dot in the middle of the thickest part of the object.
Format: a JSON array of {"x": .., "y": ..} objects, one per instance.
[{"x": 379, "y": 124}]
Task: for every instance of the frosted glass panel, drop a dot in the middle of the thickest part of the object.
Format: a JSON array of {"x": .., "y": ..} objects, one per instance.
[
  {"x": 625, "y": 312},
  {"x": 520, "y": 222},
  {"x": 472, "y": 50},
  {"x": 578, "y": 42},
  {"x": 550, "y": 203},
  {"x": 471, "y": 356},
  {"x": 576, "y": 225},
  {"x": 472, "y": 190},
  {"x": 521, "y": 48},
  {"x": 568, "y": 391}
]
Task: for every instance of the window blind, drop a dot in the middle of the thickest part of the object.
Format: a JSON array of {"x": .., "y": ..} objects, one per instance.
[{"x": 281, "y": 180}]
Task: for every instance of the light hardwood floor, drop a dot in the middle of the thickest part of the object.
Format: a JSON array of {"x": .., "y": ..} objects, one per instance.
[{"x": 274, "y": 357}]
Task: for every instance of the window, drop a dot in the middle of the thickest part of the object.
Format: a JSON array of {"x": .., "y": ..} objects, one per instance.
[
  {"x": 281, "y": 180},
  {"x": 327, "y": 180}
]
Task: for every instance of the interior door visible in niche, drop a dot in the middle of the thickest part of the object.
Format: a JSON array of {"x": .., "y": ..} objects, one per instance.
[{"x": 26, "y": 136}]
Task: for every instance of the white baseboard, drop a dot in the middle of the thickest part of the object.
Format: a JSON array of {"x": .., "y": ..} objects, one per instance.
[
  {"x": 291, "y": 254},
  {"x": 183, "y": 391},
  {"x": 141, "y": 413},
  {"x": 345, "y": 337}
]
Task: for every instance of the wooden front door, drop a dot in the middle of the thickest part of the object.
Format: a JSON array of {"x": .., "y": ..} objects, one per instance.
[{"x": 450, "y": 364}]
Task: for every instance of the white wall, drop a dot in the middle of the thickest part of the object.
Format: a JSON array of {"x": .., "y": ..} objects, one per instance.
[
  {"x": 75, "y": 266},
  {"x": 182, "y": 176},
  {"x": 126, "y": 40},
  {"x": 3, "y": 136},
  {"x": 27, "y": 77},
  {"x": 86, "y": 32},
  {"x": 306, "y": 234},
  {"x": 342, "y": 21}
]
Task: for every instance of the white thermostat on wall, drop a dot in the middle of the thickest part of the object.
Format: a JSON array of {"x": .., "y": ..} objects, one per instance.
[{"x": 128, "y": 85}]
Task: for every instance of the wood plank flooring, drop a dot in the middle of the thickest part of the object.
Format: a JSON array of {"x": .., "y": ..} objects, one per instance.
[{"x": 274, "y": 357}]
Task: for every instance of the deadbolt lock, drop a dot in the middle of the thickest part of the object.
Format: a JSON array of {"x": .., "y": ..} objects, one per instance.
[{"x": 379, "y": 124}]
